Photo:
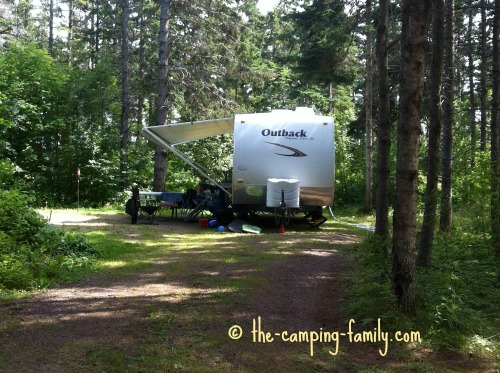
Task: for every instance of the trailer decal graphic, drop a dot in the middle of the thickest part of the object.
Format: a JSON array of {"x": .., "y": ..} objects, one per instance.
[
  {"x": 284, "y": 133},
  {"x": 296, "y": 152}
]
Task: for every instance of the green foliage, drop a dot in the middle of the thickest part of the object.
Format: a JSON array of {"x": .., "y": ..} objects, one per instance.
[
  {"x": 33, "y": 253},
  {"x": 17, "y": 220},
  {"x": 372, "y": 290},
  {"x": 54, "y": 121},
  {"x": 214, "y": 155},
  {"x": 6, "y": 174},
  {"x": 461, "y": 290},
  {"x": 31, "y": 89},
  {"x": 182, "y": 180},
  {"x": 349, "y": 153},
  {"x": 458, "y": 298},
  {"x": 141, "y": 157},
  {"x": 327, "y": 53}
]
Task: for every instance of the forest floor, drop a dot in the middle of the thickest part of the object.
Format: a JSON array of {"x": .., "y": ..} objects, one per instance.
[{"x": 170, "y": 302}]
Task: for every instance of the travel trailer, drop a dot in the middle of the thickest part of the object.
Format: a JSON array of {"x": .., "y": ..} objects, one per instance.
[{"x": 283, "y": 160}]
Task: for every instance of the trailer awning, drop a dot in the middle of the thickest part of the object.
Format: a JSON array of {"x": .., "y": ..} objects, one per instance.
[
  {"x": 179, "y": 133},
  {"x": 168, "y": 135}
]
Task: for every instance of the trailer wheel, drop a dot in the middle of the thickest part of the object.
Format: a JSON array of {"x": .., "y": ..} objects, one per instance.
[{"x": 224, "y": 216}]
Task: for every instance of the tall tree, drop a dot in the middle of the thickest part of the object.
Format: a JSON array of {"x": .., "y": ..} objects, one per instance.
[
  {"x": 384, "y": 125},
  {"x": 495, "y": 137},
  {"x": 483, "y": 77},
  {"x": 69, "y": 44},
  {"x": 162, "y": 100},
  {"x": 141, "y": 69},
  {"x": 448, "y": 117},
  {"x": 415, "y": 22},
  {"x": 368, "y": 109},
  {"x": 124, "y": 118},
  {"x": 431, "y": 189},
  {"x": 326, "y": 32},
  {"x": 51, "y": 27},
  {"x": 472, "y": 86}
]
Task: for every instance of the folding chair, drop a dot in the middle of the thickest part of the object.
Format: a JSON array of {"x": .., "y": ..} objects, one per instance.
[
  {"x": 204, "y": 205},
  {"x": 146, "y": 211},
  {"x": 315, "y": 218},
  {"x": 187, "y": 204}
]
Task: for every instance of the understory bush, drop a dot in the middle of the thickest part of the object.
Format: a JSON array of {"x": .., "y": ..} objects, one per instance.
[
  {"x": 459, "y": 295},
  {"x": 33, "y": 253},
  {"x": 457, "y": 298}
]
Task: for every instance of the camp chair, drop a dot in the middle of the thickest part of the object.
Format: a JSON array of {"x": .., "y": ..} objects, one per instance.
[
  {"x": 187, "y": 204},
  {"x": 146, "y": 211},
  {"x": 200, "y": 207}
]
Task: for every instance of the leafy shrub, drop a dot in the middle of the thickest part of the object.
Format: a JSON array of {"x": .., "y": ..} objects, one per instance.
[
  {"x": 17, "y": 219},
  {"x": 58, "y": 242},
  {"x": 6, "y": 172},
  {"x": 33, "y": 253},
  {"x": 14, "y": 273}
]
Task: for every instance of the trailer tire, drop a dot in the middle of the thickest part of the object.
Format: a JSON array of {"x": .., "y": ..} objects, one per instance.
[{"x": 224, "y": 216}]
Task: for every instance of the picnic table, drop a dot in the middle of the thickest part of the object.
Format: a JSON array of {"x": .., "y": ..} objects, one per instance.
[{"x": 186, "y": 206}]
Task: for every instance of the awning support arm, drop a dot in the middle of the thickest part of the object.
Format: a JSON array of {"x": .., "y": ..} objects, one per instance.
[{"x": 182, "y": 156}]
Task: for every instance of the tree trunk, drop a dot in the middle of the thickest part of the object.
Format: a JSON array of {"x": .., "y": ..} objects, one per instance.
[
  {"x": 415, "y": 22},
  {"x": 472, "y": 95},
  {"x": 97, "y": 33},
  {"x": 140, "y": 75},
  {"x": 368, "y": 109},
  {"x": 495, "y": 137},
  {"x": 448, "y": 118},
  {"x": 70, "y": 31},
  {"x": 96, "y": 40},
  {"x": 484, "y": 63},
  {"x": 124, "y": 125},
  {"x": 330, "y": 98},
  {"x": 94, "y": 34},
  {"x": 431, "y": 189},
  {"x": 162, "y": 103},
  {"x": 51, "y": 28},
  {"x": 384, "y": 125}
]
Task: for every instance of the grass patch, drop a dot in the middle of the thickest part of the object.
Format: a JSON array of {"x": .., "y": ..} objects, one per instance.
[
  {"x": 111, "y": 360},
  {"x": 42, "y": 258},
  {"x": 8, "y": 322}
]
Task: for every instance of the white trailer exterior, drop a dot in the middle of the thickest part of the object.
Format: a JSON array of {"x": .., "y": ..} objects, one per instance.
[{"x": 281, "y": 145}]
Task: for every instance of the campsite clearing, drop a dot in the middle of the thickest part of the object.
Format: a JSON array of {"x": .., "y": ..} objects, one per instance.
[{"x": 173, "y": 297}]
